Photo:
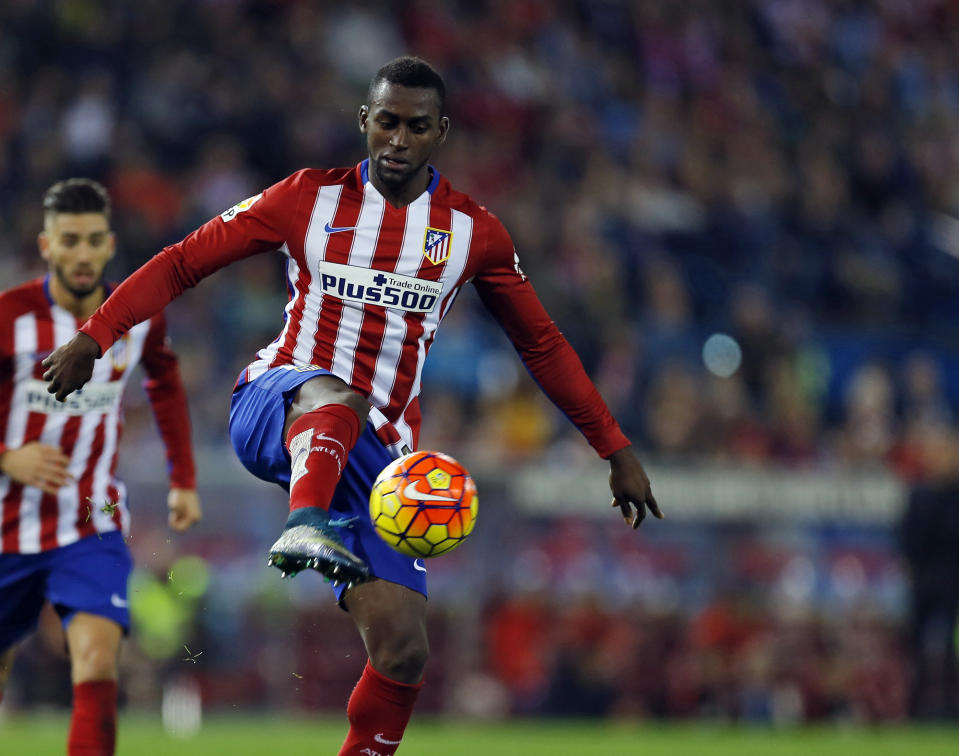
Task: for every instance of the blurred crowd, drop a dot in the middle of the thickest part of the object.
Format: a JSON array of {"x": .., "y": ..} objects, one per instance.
[{"x": 781, "y": 173}]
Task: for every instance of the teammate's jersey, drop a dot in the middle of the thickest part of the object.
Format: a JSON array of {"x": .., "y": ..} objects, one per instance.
[
  {"x": 86, "y": 427},
  {"x": 369, "y": 284}
]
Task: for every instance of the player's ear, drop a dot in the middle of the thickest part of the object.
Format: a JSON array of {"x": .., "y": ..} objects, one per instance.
[
  {"x": 112, "y": 244},
  {"x": 43, "y": 244},
  {"x": 363, "y": 116},
  {"x": 444, "y": 130}
]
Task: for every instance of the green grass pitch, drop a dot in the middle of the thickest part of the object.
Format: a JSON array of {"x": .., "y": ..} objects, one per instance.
[{"x": 260, "y": 735}]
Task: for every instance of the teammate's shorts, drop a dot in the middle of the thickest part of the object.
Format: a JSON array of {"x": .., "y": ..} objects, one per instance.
[
  {"x": 87, "y": 576},
  {"x": 257, "y": 416}
]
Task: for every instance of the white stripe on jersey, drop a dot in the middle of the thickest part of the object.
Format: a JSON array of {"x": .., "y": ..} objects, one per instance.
[
  {"x": 462, "y": 227},
  {"x": 314, "y": 248},
  {"x": 365, "y": 237}
]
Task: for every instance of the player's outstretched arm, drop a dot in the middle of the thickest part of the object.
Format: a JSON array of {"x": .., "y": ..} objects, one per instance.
[
  {"x": 184, "y": 506},
  {"x": 630, "y": 486},
  {"x": 71, "y": 366}
]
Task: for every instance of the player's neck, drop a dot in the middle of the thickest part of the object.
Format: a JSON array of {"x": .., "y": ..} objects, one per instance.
[
  {"x": 80, "y": 307},
  {"x": 402, "y": 195}
]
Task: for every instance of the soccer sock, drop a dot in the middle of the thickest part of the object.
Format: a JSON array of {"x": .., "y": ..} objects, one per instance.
[
  {"x": 319, "y": 443},
  {"x": 93, "y": 725},
  {"x": 378, "y": 712}
]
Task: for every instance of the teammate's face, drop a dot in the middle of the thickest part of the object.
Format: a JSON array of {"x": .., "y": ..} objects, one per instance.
[
  {"x": 77, "y": 247},
  {"x": 402, "y": 126}
]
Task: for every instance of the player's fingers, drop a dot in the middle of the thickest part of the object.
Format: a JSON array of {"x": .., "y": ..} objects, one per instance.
[
  {"x": 625, "y": 509},
  {"x": 57, "y": 480},
  {"x": 639, "y": 516},
  {"x": 654, "y": 507},
  {"x": 48, "y": 486}
]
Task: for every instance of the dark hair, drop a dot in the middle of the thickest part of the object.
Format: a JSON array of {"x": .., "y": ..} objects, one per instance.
[
  {"x": 77, "y": 195},
  {"x": 410, "y": 71}
]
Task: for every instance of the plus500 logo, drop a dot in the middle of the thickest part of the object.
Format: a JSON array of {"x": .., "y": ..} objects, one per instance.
[{"x": 354, "y": 284}]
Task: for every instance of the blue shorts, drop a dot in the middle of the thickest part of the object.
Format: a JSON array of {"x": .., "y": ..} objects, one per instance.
[
  {"x": 87, "y": 576},
  {"x": 257, "y": 416}
]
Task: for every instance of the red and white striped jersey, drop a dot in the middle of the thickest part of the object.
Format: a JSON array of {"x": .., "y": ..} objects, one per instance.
[
  {"x": 86, "y": 427},
  {"x": 369, "y": 285}
]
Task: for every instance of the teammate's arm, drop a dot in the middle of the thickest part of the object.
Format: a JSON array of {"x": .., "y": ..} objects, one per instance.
[
  {"x": 164, "y": 389},
  {"x": 508, "y": 295}
]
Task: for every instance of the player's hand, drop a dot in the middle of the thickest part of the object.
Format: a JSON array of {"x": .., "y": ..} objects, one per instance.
[
  {"x": 70, "y": 366},
  {"x": 630, "y": 486},
  {"x": 39, "y": 465},
  {"x": 184, "y": 506}
]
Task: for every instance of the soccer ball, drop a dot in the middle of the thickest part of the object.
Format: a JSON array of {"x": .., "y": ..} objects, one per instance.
[{"x": 424, "y": 504}]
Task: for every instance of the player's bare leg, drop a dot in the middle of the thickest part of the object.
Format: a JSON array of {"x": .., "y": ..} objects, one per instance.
[
  {"x": 94, "y": 645},
  {"x": 391, "y": 620},
  {"x": 6, "y": 666},
  {"x": 322, "y": 425}
]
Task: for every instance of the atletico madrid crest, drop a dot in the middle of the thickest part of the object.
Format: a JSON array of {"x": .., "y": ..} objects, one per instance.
[{"x": 436, "y": 245}]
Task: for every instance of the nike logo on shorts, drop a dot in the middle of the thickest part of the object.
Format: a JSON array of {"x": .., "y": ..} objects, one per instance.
[
  {"x": 418, "y": 565},
  {"x": 119, "y": 603}
]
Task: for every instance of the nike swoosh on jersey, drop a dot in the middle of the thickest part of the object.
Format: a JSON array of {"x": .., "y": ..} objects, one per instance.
[
  {"x": 380, "y": 739},
  {"x": 411, "y": 492},
  {"x": 336, "y": 229}
]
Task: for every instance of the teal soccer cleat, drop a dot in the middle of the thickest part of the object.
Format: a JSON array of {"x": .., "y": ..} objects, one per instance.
[{"x": 309, "y": 542}]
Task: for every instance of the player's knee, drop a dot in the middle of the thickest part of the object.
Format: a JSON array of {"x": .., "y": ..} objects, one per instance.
[
  {"x": 403, "y": 662},
  {"x": 324, "y": 390},
  {"x": 93, "y": 662}
]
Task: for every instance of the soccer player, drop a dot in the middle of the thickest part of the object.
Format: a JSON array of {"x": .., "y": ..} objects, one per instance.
[
  {"x": 64, "y": 513},
  {"x": 377, "y": 253}
]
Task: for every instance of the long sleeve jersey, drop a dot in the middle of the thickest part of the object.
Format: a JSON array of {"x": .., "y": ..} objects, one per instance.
[
  {"x": 86, "y": 428},
  {"x": 369, "y": 285}
]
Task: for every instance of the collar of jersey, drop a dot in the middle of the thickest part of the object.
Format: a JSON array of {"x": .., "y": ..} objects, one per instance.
[{"x": 365, "y": 176}]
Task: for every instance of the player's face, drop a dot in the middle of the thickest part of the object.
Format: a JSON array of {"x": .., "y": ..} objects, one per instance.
[
  {"x": 402, "y": 126},
  {"x": 77, "y": 247}
]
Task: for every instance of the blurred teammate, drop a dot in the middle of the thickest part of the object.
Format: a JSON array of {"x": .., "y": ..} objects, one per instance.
[
  {"x": 376, "y": 255},
  {"x": 64, "y": 514}
]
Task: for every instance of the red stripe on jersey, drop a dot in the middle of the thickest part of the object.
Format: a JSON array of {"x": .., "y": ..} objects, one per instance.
[
  {"x": 114, "y": 494},
  {"x": 400, "y": 395},
  {"x": 338, "y": 245},
  {"x": 68, "y": 439},
  {"x": 386, "y": 256},
  {"x": 284, "y": 354},
  {"x": 10, "y": 506},
  {"x": 11, "y": 518},
  {"x": 86, "y": 504},
  {"x": 49, "y": 509}
]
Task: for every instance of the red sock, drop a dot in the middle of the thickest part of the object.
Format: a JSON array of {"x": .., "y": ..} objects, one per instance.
[
  {"x": 378, "y": 712},
  {"x": 93, "y": 726},
  {"x": 319, "y": 443}
]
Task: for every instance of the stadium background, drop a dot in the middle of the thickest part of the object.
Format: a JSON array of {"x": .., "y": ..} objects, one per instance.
[{"x": 781, "y": 171}]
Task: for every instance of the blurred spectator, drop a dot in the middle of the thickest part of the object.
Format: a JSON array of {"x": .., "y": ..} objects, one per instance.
[{"x": 930, "y": 534}]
